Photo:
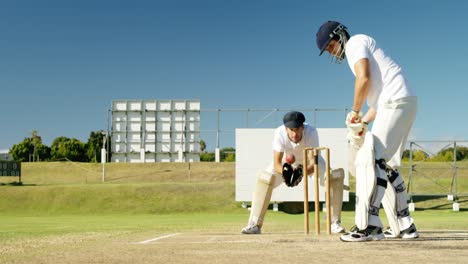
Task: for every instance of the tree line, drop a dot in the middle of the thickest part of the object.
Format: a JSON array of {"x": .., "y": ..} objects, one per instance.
[
  {"x": 445, "y": 155},
  {"x": 62, "y": 148}
]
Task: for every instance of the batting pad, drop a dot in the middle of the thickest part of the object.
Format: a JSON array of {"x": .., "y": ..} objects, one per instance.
[
  {"x": 261, "y": 198},
  {"x": 395, "y": 201},
  {"x": 367, "y": 192},
  {"x": 389, "y": 204}
]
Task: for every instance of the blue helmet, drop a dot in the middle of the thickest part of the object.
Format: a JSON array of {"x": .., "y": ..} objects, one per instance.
[{"x": 332, "y": 30}]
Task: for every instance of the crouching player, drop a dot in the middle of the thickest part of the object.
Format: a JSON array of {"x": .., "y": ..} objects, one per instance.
[{"x": 289, "y": 141}]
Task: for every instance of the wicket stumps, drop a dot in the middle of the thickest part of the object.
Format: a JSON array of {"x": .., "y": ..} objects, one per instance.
[{"x": 315, "y": 152}]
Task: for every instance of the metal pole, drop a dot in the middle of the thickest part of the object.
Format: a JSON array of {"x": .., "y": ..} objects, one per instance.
[
  {"x": 411, "y": 172},
  {"x": 103, "y": 172},
  {"x": 455, "y": 193},
  {"x": 108, "y": 133},
  {"x": 217, "y": 129},
  {"x": 103, "y": 160}
]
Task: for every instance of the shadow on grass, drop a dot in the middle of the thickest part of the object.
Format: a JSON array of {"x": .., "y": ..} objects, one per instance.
[
  {"x": 15, "y": 184},
  {"x": 298, "y": 207}
]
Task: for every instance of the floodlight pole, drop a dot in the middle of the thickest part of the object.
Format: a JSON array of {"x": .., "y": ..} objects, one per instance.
[{"x": 103, "y": 156}]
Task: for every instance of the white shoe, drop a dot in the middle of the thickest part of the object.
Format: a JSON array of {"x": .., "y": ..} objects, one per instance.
[
  {"x": 371, "y": 233},
  {"x": 337, "y": 228},
  {"x": 409, "y": 233},
  {"x": 252, "y": 230}
]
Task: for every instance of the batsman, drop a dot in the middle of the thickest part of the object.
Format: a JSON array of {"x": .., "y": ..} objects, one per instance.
[
  {"x": 375, "y": 155},
  {"x": 289, "y": 141}
]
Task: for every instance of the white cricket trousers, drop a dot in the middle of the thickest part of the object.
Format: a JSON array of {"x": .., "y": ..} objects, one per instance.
[{"x": 391, "y": 127}]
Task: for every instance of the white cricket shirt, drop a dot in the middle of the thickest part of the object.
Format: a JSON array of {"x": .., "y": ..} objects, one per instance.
[
  {"x": 388, "y": 82},
  {"x": 282, "y": 143}
]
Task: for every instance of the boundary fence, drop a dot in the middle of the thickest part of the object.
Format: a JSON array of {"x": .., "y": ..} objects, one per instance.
[{"x": 446, "y": 177}]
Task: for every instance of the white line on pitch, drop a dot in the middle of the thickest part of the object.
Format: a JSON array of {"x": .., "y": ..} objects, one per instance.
[{"x": 156, "y": 239}]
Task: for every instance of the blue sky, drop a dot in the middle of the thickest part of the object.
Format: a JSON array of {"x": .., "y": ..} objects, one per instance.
[{"x": 63, "y": 62}]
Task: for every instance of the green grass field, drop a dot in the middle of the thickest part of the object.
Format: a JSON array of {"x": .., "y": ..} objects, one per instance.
[
  {"x": 63, "y": 213},
  {"x": 91, "y": 238}
]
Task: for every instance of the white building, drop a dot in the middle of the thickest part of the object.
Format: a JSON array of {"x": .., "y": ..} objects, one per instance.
[
  {"x": 5, "y": 154},
  {"x": 155, "y": 131}
]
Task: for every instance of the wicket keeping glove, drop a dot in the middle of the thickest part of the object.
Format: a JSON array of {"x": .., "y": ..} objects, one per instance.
[
  {"x": 288, "y": 172},
  {"x": 297, "y": 175},
  {"x": 292, "y": 176}
]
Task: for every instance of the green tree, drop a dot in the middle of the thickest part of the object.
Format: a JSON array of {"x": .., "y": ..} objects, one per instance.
[
  {"x": 207, "y": 156},
  {"x": 202, "y": 145},
  {"x": 447, "y": 154},
  {"x": 57, "y": 149},
  {"x": 462, "y": 153},
  {"x": 94, "y": 145},
  {"x": 22, "y": 151},
  {"x": 230, "y": 157},
  {"x": 406, "y": 154},
  {"x": 30, "y": 149},
  {"x": 66, "y": 148},
  {"x": 43, "y": 152},
  {"x": 419, "y": 155},
  {"x": 228, "y": 154}
]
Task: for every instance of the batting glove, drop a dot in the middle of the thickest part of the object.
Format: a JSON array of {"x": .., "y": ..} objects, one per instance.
[
  {"x": 356, "y": 138},
  {"x": 353, "y": 117}
]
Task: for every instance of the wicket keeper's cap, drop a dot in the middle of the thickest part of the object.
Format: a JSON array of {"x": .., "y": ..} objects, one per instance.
[
  {"x": 293, "y": 119},
  {"x": 325, "y": 34}
]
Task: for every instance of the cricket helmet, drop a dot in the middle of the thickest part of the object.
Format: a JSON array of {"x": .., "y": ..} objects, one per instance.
[{"x": 332, "y": 30}]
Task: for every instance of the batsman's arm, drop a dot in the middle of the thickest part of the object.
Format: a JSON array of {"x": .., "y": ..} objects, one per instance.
[
  {"x": 361, "y": 83},
  {"x": 277, "y": 161},
  {"x": 370, "y": 115}
]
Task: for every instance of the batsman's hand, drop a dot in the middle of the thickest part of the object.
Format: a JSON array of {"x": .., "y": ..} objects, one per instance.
[
  {"x": 355, "y": 124},
  {"x": 354, "y": 140},
  {"x": 353, "y": 117},
  {"x": 356, "y": 129}
]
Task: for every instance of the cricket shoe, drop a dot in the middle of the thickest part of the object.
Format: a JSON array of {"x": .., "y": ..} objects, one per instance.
[
  {"x": 337, "y": 228},
  {"x": 252, "y": 230},
  {"x": 371, "y": 233},
  {"x": 388, "y": 233},
  {"x": 409, "y": 233}
]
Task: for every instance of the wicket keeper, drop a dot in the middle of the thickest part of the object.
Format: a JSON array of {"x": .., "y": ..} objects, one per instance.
[{"x": 289, "y": 141}]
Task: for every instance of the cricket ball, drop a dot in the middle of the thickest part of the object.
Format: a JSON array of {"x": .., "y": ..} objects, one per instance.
[{"x": 290, "y": 159}]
